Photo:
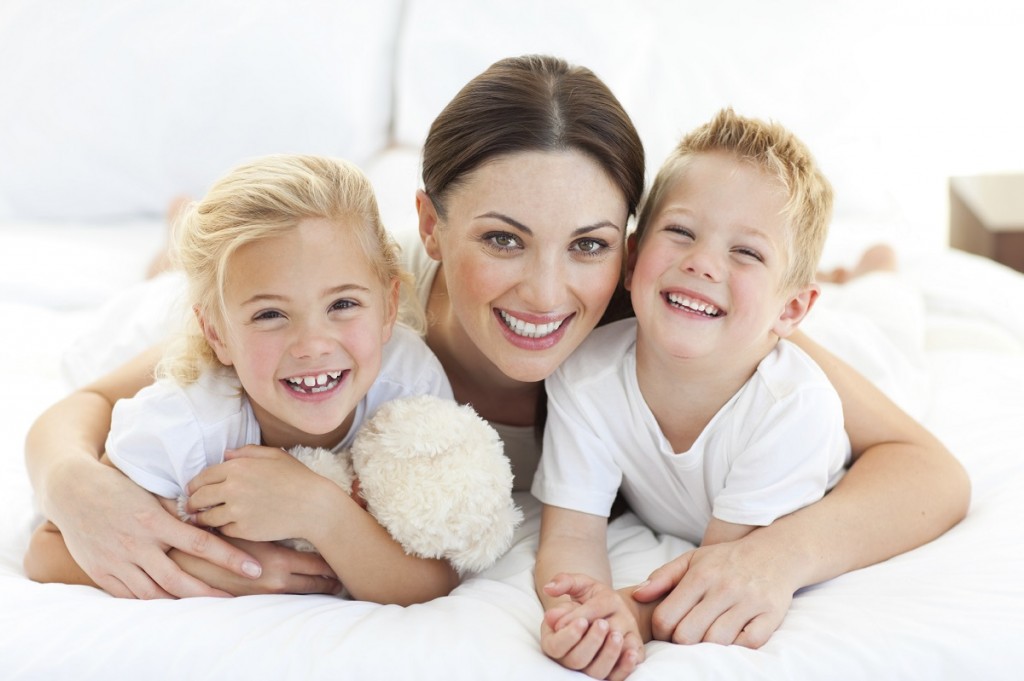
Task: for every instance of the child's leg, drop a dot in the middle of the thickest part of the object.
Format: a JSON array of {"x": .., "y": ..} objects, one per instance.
[{"x": 877, "y": 258}]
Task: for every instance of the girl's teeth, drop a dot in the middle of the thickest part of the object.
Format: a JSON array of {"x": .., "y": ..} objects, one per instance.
[
  {"x": 315, "y": 384},
  {"x": 528, "y": 329}
]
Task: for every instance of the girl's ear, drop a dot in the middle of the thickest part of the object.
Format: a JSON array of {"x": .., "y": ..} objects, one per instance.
[
  {"x": 795, "y": 309},
  {"x": 630, "y": 260},
  {"x": 392, "y": 298},
  {"x": 212, "y": 337},
  {"x": 428, "y": 224}
]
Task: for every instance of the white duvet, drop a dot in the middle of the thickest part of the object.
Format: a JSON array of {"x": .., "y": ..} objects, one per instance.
[{"x": 953, "y": 609}]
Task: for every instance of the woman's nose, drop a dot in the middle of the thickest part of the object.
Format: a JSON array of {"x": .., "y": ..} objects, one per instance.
[{"x": 543, "y": 284}]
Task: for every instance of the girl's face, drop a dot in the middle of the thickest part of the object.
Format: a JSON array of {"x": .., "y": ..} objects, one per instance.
[
  {"x": 305, "y": 321},
  {"x": 531, "y": 249}
]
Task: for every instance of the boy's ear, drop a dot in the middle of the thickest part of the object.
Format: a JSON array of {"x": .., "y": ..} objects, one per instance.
[
  {"x": 630, "y": 260},
  {"x": 795, "y": 309},
  {"x": 212, "y": 337},
  {"x": 428, "y": 224}
]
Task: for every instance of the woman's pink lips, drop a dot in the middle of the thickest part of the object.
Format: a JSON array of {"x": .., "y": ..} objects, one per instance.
[{"x": 525, "y": 343}]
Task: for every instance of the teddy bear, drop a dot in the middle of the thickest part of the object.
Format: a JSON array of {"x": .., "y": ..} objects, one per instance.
[{"x": 434, "y": 475}]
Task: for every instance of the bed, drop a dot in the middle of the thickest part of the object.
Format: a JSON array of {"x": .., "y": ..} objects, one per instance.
[{"x": 945, "y": 338}]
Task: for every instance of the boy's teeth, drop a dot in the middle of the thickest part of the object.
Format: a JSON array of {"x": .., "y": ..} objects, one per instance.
[
  {"x": 695, "y": 305},
  {"x": 528, "y": 329}
]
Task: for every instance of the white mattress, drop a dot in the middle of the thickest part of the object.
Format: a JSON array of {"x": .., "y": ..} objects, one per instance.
[{"x": 953, "y": 609}]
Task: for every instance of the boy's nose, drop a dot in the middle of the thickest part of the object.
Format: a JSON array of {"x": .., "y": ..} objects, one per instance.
[{"x": 702, "y": 263}]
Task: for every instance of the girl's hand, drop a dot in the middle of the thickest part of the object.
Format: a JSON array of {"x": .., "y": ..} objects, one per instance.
[
  {"x": 259, "y": 494},
  {"x": 285, "y": 571},
  {"x": 721, "y": 593}
]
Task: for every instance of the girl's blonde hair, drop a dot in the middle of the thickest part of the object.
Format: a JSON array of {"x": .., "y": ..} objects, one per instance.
[
  {"x": 261, "y": 199},
  {"x": 778, "y": 153}
]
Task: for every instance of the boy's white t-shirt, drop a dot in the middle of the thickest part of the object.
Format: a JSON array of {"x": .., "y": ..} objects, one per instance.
[
  {"x": 777, "y": 445},
  {"x": 165, "y": 435}
]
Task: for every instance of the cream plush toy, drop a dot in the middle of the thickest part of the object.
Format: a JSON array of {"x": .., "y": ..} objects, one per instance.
[{"x": 434, "y": 475}]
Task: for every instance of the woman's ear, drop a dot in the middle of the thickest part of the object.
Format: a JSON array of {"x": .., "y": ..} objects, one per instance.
[
  {"x": 427, "y": 214},
  {"x": 630, "y": 260},
  {"x": 796, "y": 308},
  {"x": 212, "y": 337}
]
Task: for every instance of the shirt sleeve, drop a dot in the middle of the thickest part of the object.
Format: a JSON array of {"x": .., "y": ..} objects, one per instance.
[
  {"x": 792, "y": 457},
  {"x": 156, "y": 440},
  {"x": 577, "y": 469}
]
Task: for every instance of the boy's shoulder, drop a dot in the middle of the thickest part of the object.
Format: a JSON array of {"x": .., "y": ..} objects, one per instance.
[
  {"x": 787, "y": 369},
  {"x": 603, "y": 350}
]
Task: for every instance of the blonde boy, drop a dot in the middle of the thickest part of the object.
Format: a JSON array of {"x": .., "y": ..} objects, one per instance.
[{"x": 707, "y": 421}]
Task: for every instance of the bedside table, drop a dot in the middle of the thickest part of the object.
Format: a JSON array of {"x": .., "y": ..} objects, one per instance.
[{"x": 986, "y": 217}]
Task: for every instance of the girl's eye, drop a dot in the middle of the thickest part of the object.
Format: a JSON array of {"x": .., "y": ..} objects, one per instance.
[
  {"x": 589, "y": 246},
  {"x": 343, "y": 304},
  {"x": 502, "y": 241},
  {"x": 267, "y": 315}
]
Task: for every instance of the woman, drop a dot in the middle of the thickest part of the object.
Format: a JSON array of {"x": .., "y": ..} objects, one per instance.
[{"x": 530, "y": 175}]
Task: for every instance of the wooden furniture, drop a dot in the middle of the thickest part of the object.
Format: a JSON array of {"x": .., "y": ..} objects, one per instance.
[{"x": 986, "y": 217}]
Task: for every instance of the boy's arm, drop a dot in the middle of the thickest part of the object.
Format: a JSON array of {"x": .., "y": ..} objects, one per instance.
[
  {"x": 719, "y": 531},
  {"x": 49, "y": 561}
]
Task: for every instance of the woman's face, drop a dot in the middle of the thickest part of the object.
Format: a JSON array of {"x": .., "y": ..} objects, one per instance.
[{"x": 531, "y": 248}]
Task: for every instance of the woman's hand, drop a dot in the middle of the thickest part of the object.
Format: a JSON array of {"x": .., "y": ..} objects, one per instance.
[
  {"x": 730, "y": 593},
  {"x": 259, "y": 494},
  {"x": 285, "y": 571},
  {"x": 120, "y": 535}
]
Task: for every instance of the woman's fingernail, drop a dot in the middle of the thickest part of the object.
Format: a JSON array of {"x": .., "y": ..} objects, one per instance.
[
  {"x": 252, "y": 569},
  {"x": 641, "y": 585}
]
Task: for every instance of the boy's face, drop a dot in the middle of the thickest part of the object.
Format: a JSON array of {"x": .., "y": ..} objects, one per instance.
[
  {"x": 305, "y": 321},
  {"x": 706, "y": 278}
]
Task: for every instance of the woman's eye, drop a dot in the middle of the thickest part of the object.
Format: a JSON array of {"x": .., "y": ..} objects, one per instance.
[
  {"x": 589, "y": 246},
  {"x": 503, "y": 241}
]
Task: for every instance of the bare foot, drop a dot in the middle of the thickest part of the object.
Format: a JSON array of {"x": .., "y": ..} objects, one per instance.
[
  {"x": 877, "y": 258},
  {"x": 161, "y": 262}
]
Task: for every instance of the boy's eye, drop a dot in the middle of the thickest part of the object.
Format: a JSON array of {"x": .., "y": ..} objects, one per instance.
[
  {"x": 750, "y": 253},
  {"x": 502, "y": 241},
  {"x": 681, "y": 231}
]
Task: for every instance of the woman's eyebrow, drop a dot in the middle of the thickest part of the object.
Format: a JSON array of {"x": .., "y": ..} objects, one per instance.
[{"x": 526, "y": 230}]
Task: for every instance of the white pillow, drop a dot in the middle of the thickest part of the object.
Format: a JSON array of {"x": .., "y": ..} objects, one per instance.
[{"x": 112, "y": 107}]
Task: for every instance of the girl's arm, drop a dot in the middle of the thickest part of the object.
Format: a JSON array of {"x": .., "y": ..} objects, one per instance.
[
  {"x": 264, "y": 494},
  {"x": 903, "y": 490},
  {"x": 115, "y": 531}
]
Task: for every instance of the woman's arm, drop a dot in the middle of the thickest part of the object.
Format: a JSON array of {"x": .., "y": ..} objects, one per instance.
[
  {"x": 264, "y": 494},
  {"x": 904, "y": 489},
  {"x": 115, "y": 531}
]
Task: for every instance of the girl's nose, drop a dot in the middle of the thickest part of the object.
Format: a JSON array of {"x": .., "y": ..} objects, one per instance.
[{"x": 311, "y": 341}]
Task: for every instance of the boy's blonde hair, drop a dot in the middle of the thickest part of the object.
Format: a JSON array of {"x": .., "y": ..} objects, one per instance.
[
  {"x": 778, "y": 153},
  {"x": 261, "y": 199}
]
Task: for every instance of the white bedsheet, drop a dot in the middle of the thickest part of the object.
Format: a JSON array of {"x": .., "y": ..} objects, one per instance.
[{"x": 953, "y": 609}]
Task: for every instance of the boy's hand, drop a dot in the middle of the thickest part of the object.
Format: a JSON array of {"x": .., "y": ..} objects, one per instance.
[
  {"x": 596, "y": 632},
  {"x": 718, "y": 594}
]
